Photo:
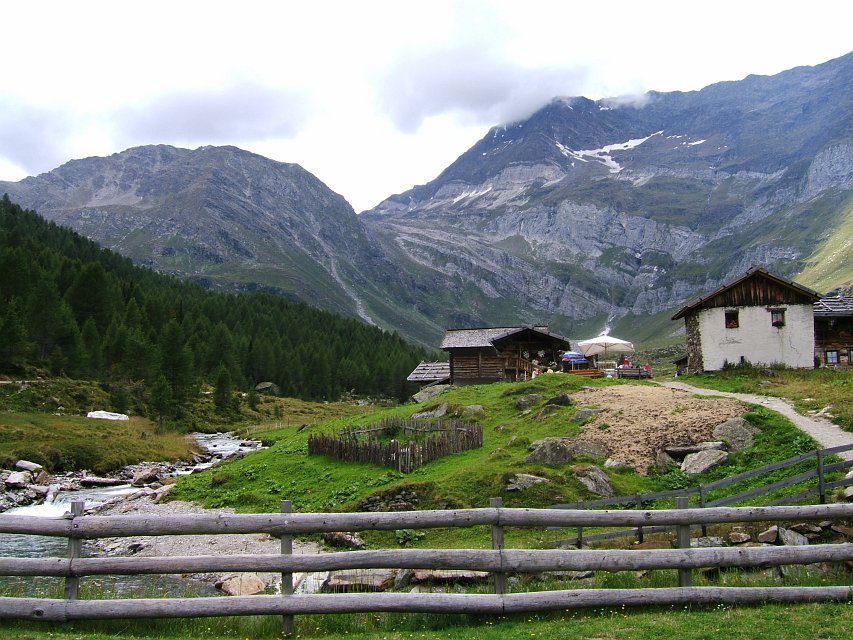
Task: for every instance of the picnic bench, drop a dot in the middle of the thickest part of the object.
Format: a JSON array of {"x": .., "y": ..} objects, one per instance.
[{"x": 633, "y": 372}]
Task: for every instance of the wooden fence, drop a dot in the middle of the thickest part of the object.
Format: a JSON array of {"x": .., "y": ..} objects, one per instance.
[
  {"x": 445, "y": 438},
  {"x": 499, "y": 561},
  {"x": 702, "y": 493}
]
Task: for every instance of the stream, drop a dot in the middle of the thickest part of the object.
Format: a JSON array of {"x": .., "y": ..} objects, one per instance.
[{"x": 219, "y": 445}]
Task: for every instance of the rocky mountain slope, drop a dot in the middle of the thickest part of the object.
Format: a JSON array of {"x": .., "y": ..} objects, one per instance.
[
  {"x": 596, "y": 209},
  {"x": 587, "y": 212},
  {"x": 222, "y": 217}
]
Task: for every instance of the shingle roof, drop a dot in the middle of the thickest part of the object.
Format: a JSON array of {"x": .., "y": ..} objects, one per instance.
[
  {"x": 486, "y": 337},
  {"x": 698, "y": 302},
  {"x": 838, "y": 305},
  {"x": 430, "y": 372}
]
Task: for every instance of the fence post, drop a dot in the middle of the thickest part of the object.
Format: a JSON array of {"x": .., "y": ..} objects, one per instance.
[
  {"x": 287, "y": 626},
  {"x": 685, "y": 576},
  {"x": 640, "y": 529},
  {"x": 820, "y": 477},
  {"x": 75, "y": 550},
  {"x": 702, "y": 501},
  {"x": 498, "y": 545}
]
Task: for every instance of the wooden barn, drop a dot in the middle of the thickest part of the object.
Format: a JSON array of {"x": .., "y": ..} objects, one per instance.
[
  {"x": 833, "y": 328},
  {"x": 501, "y": 354},
  {"x": 757, "y": 317}
]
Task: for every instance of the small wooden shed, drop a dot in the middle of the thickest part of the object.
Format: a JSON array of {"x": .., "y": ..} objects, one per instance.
[
  {"x": 758, "y": 317},
  {"x": 833, "y": 328},
  {"x": 501, "y": 354}
]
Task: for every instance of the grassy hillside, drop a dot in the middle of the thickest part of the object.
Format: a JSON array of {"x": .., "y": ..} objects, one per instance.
[
  {"x": 285, "y": 471},
  {"x": 831, "y": 264}
]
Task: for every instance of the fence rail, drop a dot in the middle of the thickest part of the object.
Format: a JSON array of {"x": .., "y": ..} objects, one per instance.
[
  {"x": 498, "y": 561},
  {"x": 820, "y": 472}
]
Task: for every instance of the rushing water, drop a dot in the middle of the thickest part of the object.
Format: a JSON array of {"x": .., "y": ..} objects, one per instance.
[{"x": 220, "y": 445}]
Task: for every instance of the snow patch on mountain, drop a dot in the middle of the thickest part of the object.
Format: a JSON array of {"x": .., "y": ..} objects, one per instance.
[{"x": 603, "y": 155}]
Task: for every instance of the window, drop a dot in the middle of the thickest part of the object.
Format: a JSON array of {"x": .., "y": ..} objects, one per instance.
[
  {"x": 732, "y": 319},
  {"x": 831, "y": 357},
  {"x": 777, "y": 317}
]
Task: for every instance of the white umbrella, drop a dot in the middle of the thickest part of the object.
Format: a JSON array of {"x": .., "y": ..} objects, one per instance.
[{"x": 604, "y": 344}]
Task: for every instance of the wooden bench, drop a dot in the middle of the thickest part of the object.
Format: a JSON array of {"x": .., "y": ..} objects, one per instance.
[{"x": 633, "y": 372}]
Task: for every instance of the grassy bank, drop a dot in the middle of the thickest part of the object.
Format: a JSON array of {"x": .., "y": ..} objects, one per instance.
[
  {"x": 66, "y": 443},
  {"x": 801, "y": 621},
  {"x": 809, "y": 390}
]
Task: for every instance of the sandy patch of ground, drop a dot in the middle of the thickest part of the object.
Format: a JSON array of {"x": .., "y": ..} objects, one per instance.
[
  {"x": 637, "y": 420},
  {"x": 191, "y": 545}
]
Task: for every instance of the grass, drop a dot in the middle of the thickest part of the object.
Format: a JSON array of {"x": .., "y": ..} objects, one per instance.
[
  {"x": 259, "y": 482},
  {"x": 65, "y": 443},
  {"x": 827, "y": 621},
  {"x": 810, "y": 390}
]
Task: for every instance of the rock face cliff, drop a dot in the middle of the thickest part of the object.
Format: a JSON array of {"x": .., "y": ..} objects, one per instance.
[
  {"x": 584, "y": 213},
  {"x": 613, "y": 209}
]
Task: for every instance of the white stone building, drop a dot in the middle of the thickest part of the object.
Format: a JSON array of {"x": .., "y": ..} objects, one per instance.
[{"x": 757, "y": 318}]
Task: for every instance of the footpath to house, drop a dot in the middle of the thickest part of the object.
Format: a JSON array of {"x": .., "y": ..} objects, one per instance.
[{"x": 822, "y": 430}]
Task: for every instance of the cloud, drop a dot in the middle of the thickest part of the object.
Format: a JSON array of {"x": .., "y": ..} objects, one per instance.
[
  {"x": 32, "y": 137},
  {"x": 478, "y": 85},
  {"x": 239, "y": 111}
]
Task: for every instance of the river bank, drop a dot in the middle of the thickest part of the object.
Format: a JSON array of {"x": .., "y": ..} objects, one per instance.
[{"x": 29, "y": 485}]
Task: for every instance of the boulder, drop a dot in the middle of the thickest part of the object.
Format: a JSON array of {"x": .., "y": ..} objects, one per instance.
[
  {"x": 146, "y": 475},
  {"x": 343, "y": 539},
  {"x": 18, "y": 480},
  {"x": 737, "y": 433},
  {"x": 844, "y": 530},
  {"x": 437, "y": 412},
  {"x": 663, "y": 461},
  {"x": 682, "y": 451},
  {"x": 769, "y": 536},
  {"x": 523, "y": 481},
  {"x": 244, "y": 584},
  {"x": 527, "y": 401},
  {"x": 447, "y": 576},
  {"x": 703, "y": 460},
  {"x": 358, "y": 580},
  {"x": 582, "y": 415},
  {"x": 551, "y": 452},
  {"x": 562, "y": 400},
  {"x": 613, "y": 463},
  {"x": 706, "y": 542},
  {"x": 791, "y": 538},
  {"x": 26, "y": 465},
  {"x": 589, "y": 449},
  {"x": 428, "y": 393},
  {"x": 595, "y": 480},
  {"x": 739, "y": 537},
  {"x": 473, "y": 410}
]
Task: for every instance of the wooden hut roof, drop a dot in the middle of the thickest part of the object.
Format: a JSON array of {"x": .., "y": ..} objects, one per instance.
[
  {"x": 734, "y": 293},
  {"x": 834, "y": 306},
  {"x": 486, "y": 337},
  {"x": 430, "y": 372}
]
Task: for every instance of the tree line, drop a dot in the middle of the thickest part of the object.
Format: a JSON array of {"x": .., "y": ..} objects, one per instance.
[{"x": 70, "y": 307}]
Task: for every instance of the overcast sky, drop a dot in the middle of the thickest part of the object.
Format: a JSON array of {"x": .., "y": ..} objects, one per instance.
[{"x": 373, "y": 97}]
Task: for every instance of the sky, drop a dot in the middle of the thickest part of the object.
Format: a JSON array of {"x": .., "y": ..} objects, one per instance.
[{"x": 372, "y": 97}]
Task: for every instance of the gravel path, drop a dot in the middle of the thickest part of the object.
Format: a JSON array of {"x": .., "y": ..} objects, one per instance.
[{"x": 821, "y": 429}]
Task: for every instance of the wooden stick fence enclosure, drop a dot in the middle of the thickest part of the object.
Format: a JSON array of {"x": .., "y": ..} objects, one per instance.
[
  {"x": 437, "y": 440},
  {"x": 498, "y": 561}
]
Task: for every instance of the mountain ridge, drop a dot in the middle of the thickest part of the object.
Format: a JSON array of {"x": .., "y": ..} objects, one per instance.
[{"x": 585, "y": 212}]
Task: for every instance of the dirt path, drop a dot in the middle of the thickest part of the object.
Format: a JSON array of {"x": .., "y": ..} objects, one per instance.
[{"x": 822, "y": 430}]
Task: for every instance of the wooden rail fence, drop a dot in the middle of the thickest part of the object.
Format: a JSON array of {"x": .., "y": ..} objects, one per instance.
[
  {"x": 702, "y": 493},
  {"x": 499, "y": 561},
  {"x": 444, "y": 438}
]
